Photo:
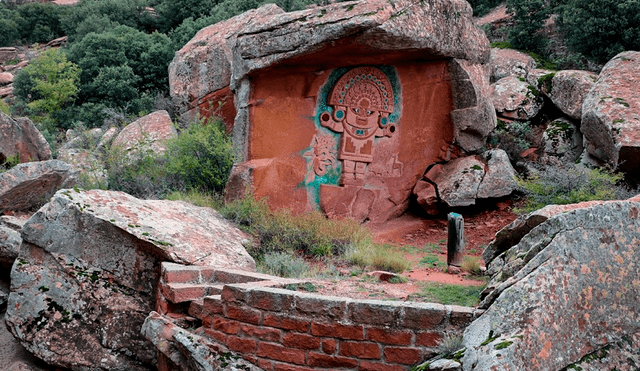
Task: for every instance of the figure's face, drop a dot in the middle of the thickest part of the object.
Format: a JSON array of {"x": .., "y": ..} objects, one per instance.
[{"x": 361, "y": 121}]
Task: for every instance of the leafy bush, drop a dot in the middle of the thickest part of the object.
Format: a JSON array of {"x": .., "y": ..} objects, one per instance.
[
  {"x": 529, "y": 16},
  {"x": 48, "y": 83},
  {"x": 9, "y": 29},
  {"x": 40, "y": 22},
  {"x": 554, "y": 185},
  {"x": 201, "y": 156},
  {"x": 283, "y": 264},
  {"x": 482, "y": 7},
  {"x": 602, "y": 29}
]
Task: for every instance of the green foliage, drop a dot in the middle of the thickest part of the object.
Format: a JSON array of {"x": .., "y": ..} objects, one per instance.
[
  {"x": 566, "y": 185},
  {"x": 377, "y": 256},
  {"x": 172, "y": 13},
  {"x": 471, "y": 265},
  {"x": 9, "y": 162},
  {"x": 201, "y": 156},
  {"x": 93, "y": 15},
  {"x": 449, "y": 294},
  {"x": 48, "y": 83},
  {"x": 501, "y": 45},
  {"x": 198, "y": 198},
  {"x": 4, "y": 107},
  {"x": 9, "y": 29},
  {"x": 432, "y": 260},
  {"x": 529, "y": 16},
  {"x": 603, "y": 29},
  {"x": 283, "y": 264},
  {"x": 40, "y": 22},
  {"x": 482, "y": 7},
  {"x": 450, "y": 343}
]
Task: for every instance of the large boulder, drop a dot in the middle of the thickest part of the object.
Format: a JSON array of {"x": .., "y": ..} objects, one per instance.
[
  {"x": 86, "y": 275},
  {"x": 21, "y": 137},
  {"x": 563, "y": 139},
  {"x": 5, "y": 78},
  {"x": 462, "y": 181},
  {"x": 568, "y": 90},
  {"x": 10, "y": 242},
  {"x": 282, "y": 74},
  {"x": 572, "y": 302},
  {"x": 611, "y": 113},
  {"x": 514, "y": 98},
  {"x": 509, "y": 62},
  {"x": 31, "y": 184},
  {"x": 148, "y": 133}
]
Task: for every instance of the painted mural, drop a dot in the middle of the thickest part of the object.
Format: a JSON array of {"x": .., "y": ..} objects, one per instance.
[{"x": 356, "y": 108}]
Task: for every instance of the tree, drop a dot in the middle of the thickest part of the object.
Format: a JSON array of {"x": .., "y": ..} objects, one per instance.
[
  {"x": 40, "y": 22},
  {"x": 601, "y": 29},
  {"x": 49, "y": 82},
  {"x": 529, "y": 16},
  {"x": 9, "y": 31}
]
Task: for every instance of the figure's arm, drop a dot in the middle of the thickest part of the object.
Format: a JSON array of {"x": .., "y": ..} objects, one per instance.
[{"x": 327, "y": 121}]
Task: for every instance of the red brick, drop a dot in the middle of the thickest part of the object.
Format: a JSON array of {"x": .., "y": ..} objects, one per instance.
[
  {"x": 403, "y": 355},
  {"x": 231, "y": 294},
  {"x": 302, "y": 341},
  {"x": 338, "y": 331},
  {"x": 241, "y": 345},
  {"x": 262, "y": 333},
  {"x": 272, "y": 301},
  {"x": 428, "y": 339},
  {"x": 375, "y": 366},
  {"x": 225, "y": 325},
  {"x": 323, "y": 360},
  {"x": 425, "y": 316},
  {"x": 265, "y": 364},
  {"x": 329, "y": 346},
  {"x": 360, "y": 350},
  {"x": 284, "y": 322},
  {"x": 389, "y": 336},
  {"x": 287, "y": 367},
  {"x": 244, "y": 314},
  {"x": 181, "y": 275},
  {"x": 280, "y": 353},
  {"x": 216, "y": 335},
  {"x": 212, "y": 306}
]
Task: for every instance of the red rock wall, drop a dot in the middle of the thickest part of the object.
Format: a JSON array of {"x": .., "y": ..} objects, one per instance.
[{"x": 282, "y": 108}]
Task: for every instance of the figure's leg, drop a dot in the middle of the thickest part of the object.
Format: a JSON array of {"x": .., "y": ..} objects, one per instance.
[
  {"x": 359, "y": 172},
  {"x": 348, "y": 172}
]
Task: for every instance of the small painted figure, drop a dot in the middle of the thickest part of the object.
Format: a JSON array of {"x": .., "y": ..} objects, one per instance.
[{"x": 362, "y": 100}]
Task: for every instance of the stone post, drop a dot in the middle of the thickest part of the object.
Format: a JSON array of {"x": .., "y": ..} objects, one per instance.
[{"x": 455, "y": 242}]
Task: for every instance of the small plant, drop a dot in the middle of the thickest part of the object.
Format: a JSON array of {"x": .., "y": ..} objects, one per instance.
[
  {"x": 377, "y": 256},
  {"x": 9, "y": 162},
  {"x": 283, "y": 264},
  {"x": 398, "y": 279},
  {"x": 450, "y": 343},
  {"x": 449, "y": 294},
  {"x": 471, "y": 265},
  {"x": 432, "y": 260}
]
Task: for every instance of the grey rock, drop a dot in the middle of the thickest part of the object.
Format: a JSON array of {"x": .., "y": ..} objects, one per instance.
[
  {"x": 147, "y": 134},
  {"x": 568, "y": 90},
  {"x": 87, "y": 271},
  {"x": 574, "y": 294},
  {"x": 458, "y": 181},
  {"x": 31, "y": 184},
  {"x": 10, "y": 242},
  {"x": 509, "y": 62},
  {"x": 22, "y": 137},
  {"x": 611, "y": 113},
  {"x": 514, "y": 98},
  {"x": 500, "y": 177},
  {"x": 562, "y": 138}
]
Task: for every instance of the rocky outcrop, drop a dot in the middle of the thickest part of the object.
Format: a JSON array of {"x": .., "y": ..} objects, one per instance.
[
  {"x": 514, "y": 98},
  {"x": 7, "y": 54},
  {"x": 21, "y": 137},
  {"x": 31, "y": 184},
  {"x": 569, "y": 89},
  {"x": 462, "y": 181},
  {"x": 148, "y": 133},
  {"x": 86, "y": 275},
  {"x": 611, "y": 113},
  {"x": 570, "y": 299},
  {"x": 509, "y": 62}
]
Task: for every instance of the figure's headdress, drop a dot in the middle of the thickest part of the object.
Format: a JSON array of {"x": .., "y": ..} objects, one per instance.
[{"x": 363, "y": 83}]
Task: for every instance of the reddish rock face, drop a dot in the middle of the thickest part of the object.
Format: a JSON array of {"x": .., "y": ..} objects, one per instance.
[{"x": 326, "y": 148}]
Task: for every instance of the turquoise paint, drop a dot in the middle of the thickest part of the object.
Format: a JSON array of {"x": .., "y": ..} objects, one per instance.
[{"x": 332, "y": 176}]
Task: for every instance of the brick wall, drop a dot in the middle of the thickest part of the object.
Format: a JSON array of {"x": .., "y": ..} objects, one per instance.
[{"x": 279, "y": 329}]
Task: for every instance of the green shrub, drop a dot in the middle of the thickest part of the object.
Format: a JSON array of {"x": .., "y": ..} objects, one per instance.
[
  {"x": 201, "y": 156},
  {"x": 529, "y": 16},
  {"x": 197, "y": 198},
  {"x": 603, "y": 29},
  {"x": 450, "y": 343},
  {"x": 283, "y": 264},
  {"x": 40, "y": 22},
  {"x": 48, "y": 82},
  {"x": 482, "y": 7},
  {"x": 377, "y": 256},
  {"x": 554, "y": 185},
  {"x": 9, "y": 29},
  {"x": 4, "y": 107}
]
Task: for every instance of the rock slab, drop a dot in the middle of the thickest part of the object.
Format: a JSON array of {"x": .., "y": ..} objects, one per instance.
[
  {"x": 85, "y": 278},
  {"x": 23, "y": 138}
]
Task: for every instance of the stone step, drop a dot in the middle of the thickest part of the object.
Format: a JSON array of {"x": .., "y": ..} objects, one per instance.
[
  {"x": 183, "y": 292},
  {"x": 195, "y": 308}
]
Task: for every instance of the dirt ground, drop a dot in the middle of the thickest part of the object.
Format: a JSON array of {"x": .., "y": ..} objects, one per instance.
[{"x": 411, "y": 234}]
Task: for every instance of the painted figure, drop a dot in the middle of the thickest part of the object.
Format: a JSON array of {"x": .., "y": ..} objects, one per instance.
[{"x": 362, "y": 100}]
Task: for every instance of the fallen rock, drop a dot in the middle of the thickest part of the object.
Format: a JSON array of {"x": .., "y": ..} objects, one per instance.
[
  {"x": 562, "y": 138},
  {"x": 462, "y": 181},
  {"x": 572, "y": 297},
  {"x": 147, "y": 133},
  {"x": 6, "y": 78},
  {"x": 509, "y": 62},
  {"x": 188, "y": 350},
  {"x": 568, "y": 90},
  {"x": 89, "y": 265},
  {"x": 107, "y": 138},
  {"x": 7, "y": 54},
  {"x": 9, "y": 246},
  {"x": 611, "y": 113},
  {"x": 514, "y": 98},
  {"x": 22, "y": 137},
  {"x": 31, "y": 184}
]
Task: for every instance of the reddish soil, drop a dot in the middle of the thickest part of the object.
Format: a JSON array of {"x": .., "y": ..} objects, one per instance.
[{"x": 417, "y": 237}]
